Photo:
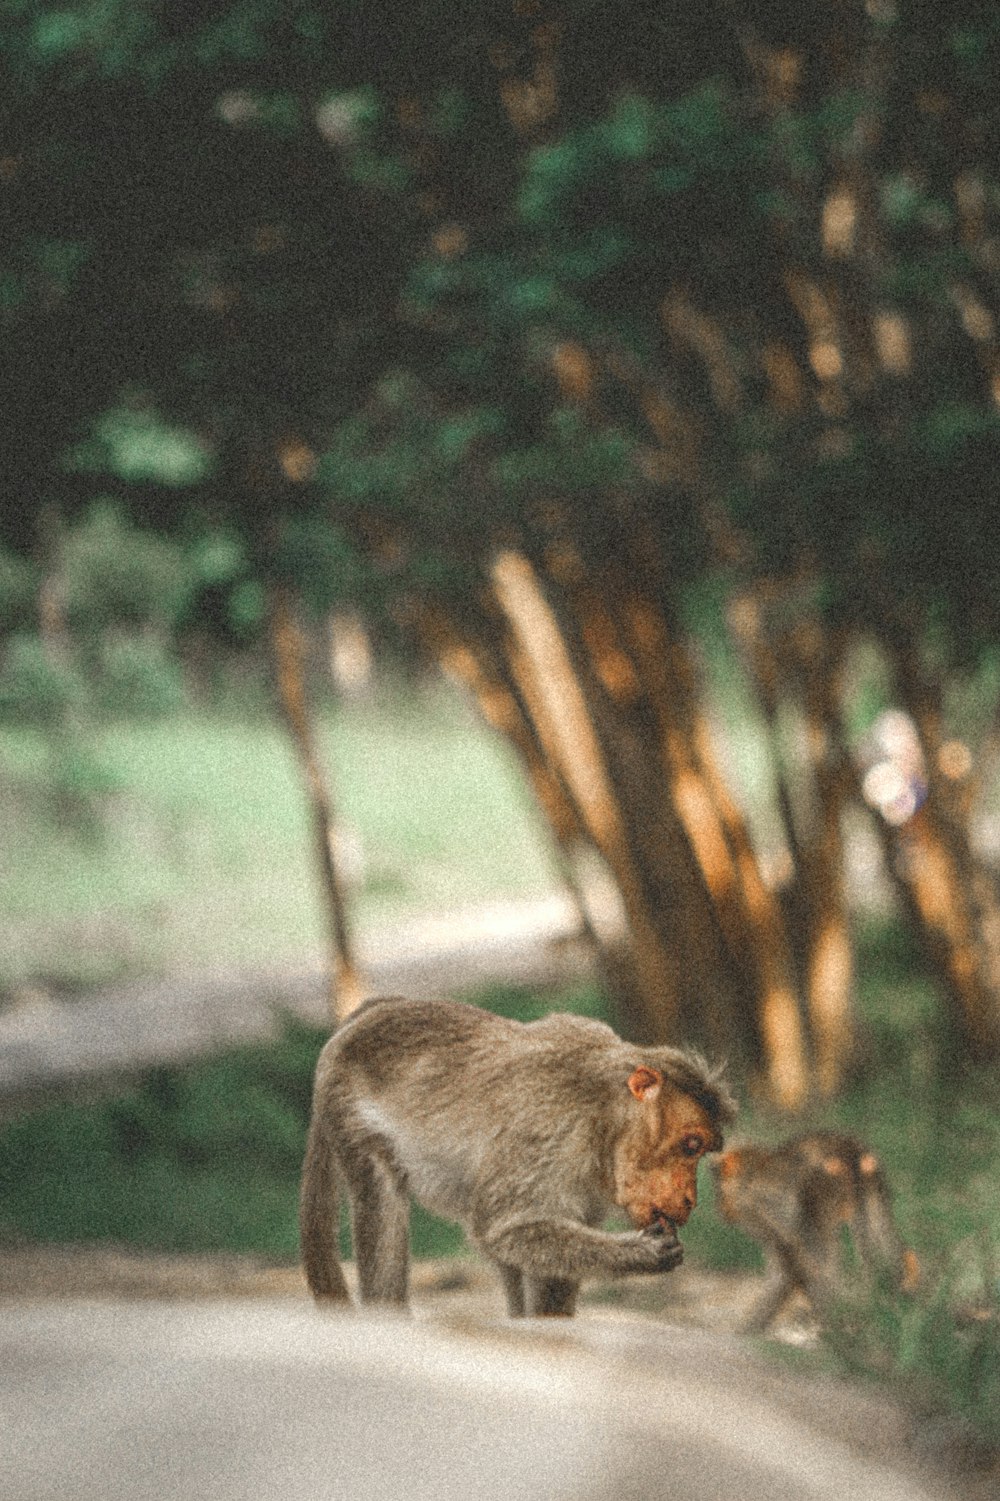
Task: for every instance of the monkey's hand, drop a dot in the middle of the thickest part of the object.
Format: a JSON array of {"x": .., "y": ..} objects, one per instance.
[{"x": 661, "y": 1238}]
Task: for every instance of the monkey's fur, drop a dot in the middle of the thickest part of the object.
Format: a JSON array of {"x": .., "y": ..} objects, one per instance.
[
  {"x": 794, "y": 1199},
  {"x": 526, "y": 1134}
]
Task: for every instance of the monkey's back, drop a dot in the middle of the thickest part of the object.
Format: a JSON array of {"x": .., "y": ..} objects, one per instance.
[
  {"x": 443, "y": 1086},
  {"x": 386, "y": 1038}
]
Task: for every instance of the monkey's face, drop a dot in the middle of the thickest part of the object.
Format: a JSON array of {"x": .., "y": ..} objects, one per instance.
[{"x": 656, "y": 1162}]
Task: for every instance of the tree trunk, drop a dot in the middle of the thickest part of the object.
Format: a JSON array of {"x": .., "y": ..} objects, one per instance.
[
  {"x": 748, "y": 912},
  {"x": 484, "y": 672},
  {"x": 559, "y": 710},
  {"x": 287, "y": 646},
  {"x": 615, "y": 716},
  {"x": 794, "y": 664},
  {"x": 830, "y": 950}
]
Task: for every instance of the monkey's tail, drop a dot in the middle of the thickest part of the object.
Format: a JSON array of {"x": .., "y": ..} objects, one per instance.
[{"x": 319, "y": 1218}]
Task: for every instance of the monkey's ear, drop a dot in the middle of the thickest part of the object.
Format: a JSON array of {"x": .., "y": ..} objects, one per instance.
[{"x": 645, "y": 1082}]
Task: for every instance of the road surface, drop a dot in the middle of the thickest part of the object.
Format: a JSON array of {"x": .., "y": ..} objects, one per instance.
[{"x": 252, "y": 1399}]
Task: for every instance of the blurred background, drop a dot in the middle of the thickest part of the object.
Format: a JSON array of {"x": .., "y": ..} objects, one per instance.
[{"x": 461, "y": 459}]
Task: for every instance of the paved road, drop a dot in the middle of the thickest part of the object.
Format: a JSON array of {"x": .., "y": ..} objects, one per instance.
[
  {"x": 250, "y": 1400},
  {"x": 49, "y": 1044}
]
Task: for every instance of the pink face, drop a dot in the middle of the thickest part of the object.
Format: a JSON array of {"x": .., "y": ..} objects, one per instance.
[{"x": 656, "y": 1167}]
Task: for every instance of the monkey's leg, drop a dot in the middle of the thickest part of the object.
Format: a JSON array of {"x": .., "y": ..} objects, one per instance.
[
  {"x": 513, "y": 1286},
  {"x": 380, "y": 1228},
  {"x": 777, "y": 1286},
  {"x": 552, "y": 1296},
  {"x": 878, "y": 1242},
  {"x": 824, "y": 1285}
]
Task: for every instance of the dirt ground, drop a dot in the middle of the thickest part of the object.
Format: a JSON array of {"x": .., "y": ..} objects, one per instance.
[{"x": 708, "y": 1300}]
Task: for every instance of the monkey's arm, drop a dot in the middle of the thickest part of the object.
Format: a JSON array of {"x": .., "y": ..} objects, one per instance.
[{"x": 557, "y": 1247}]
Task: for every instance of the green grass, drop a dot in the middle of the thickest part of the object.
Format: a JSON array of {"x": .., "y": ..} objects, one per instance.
[
  {"x": 201, "y": 855},
  {"x": 939, "y": 1350}
]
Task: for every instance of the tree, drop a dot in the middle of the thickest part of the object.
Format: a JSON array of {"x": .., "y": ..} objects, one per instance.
[
  {"x": 570, "y": 321},
  {"x": 772, "y": 293}
]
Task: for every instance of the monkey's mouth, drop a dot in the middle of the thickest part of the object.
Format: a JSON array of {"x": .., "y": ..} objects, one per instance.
[{"x": 660, "y": 1223}]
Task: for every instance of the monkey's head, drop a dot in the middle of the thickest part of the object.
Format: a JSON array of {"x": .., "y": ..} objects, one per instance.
[
  {"x": 667, "y": 1132},
  {"x": 734, "y": 1173},
  {"x": 791, "y": 1176}
]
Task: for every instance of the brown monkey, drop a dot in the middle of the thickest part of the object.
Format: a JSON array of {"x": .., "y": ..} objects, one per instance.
[
  {"x": 526, "y": 1134},
  {"x": 794, "y": 1199}
]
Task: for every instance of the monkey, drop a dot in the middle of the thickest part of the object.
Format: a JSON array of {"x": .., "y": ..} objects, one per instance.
[
  {"x": 526, "y": 1134},
  {"x": 794, "y": 1199}
]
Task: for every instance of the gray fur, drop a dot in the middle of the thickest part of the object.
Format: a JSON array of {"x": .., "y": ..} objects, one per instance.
[{"x": 514, "y": 1130}]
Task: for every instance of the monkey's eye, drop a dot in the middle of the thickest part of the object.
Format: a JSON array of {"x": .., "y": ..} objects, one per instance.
[{"x": 692, "y": 1146}]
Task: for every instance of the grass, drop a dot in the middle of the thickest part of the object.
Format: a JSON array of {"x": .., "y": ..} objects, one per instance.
[
  {"x": 201, "y": 854},
  {"x": 940, "y": 1351}
]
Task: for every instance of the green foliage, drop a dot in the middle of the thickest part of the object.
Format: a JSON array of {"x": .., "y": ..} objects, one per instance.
[
  {"x": 115, "y": 574},
  {"x": 109, "y": 30},
  {"x": 298, "y": 163},
  {"x": 320, "y": 562},
  {"x": 112, "y": 598},
  {"x": 570, "y": 460},
  {"x": 422, "y": 461},
  {"x": 138, "y": 677},
  {"x": 678, "y": 146},
  {"x": 197, "y": 1158},
  {"x": 37, "y": 686},
  {"x": 138, "y": 445},
  {"x": 423, "y": 472}
]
